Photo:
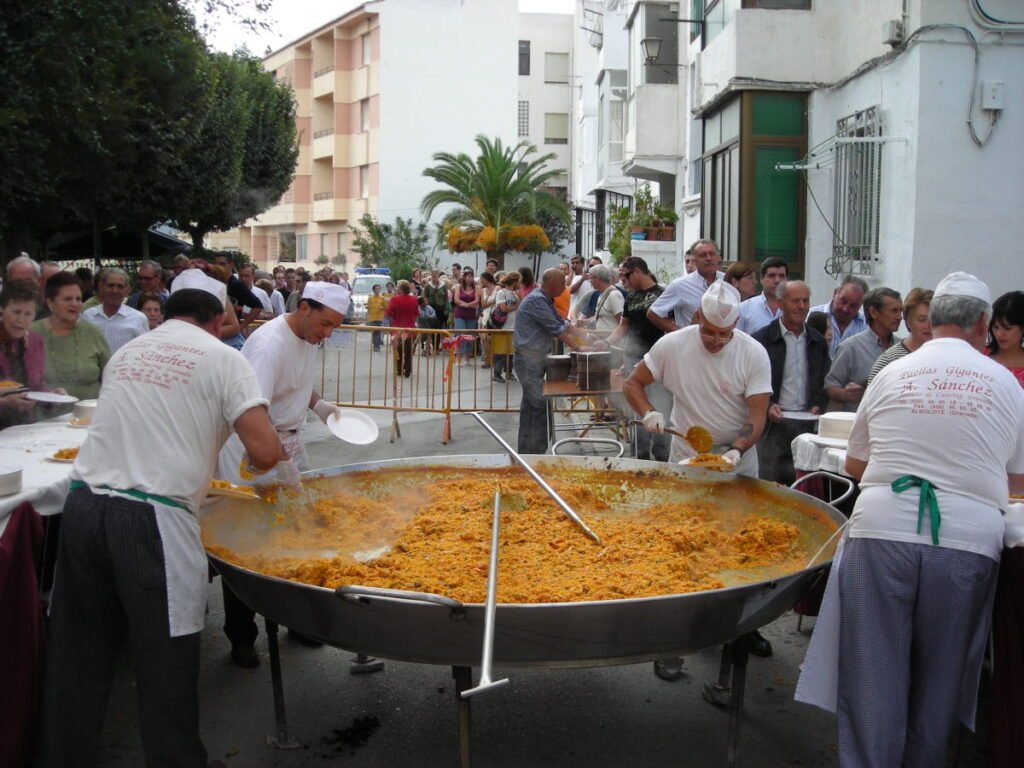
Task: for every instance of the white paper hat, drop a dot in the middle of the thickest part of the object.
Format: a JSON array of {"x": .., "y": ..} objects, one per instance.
[
  {"x": 720, "y": 304},
  {"x": 196, "y": 278},
  {"x": 330, "y": 295},
  {"x": 963, "y": 284}
]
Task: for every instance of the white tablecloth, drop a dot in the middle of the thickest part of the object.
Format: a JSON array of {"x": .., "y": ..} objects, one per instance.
[
  {"x": 43, "y": 482},
  {"x": 809, "y": 456}
]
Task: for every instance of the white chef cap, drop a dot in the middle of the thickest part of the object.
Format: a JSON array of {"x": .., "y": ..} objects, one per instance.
[
  {"x": 196, "y": 278},
  {"x": 330, "y": 295},
  {"x": 963, "y": 284},
  {"x": 720, "y": 304}
]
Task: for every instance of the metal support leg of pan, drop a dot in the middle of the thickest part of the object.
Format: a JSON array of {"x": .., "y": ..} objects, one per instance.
[
  {"x": 463, "y": 682},
  {"x": 282, "y": 739},
  {"x": 739, "y": 653}
]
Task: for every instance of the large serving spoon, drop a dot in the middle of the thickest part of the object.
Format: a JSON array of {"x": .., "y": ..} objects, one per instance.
[{"x": 696, "y": 437}]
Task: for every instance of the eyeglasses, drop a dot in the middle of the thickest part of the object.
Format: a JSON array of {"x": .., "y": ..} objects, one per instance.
[{"x": 725, "y": 338}]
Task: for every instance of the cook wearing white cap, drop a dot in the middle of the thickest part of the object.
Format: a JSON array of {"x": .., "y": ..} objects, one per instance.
[
  {"x": 937, "y": 442},
  {"x": 131, "y": 567},
  {"x": 719, "y": 377},
  {"x": 283, "y": 352}
]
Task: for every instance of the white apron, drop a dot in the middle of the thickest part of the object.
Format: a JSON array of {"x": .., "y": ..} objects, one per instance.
[
  {"x": 819, "y": 674},
  {"x": 185, "y": 565}
]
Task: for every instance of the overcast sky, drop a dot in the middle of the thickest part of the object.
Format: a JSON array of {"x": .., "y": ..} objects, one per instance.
[{"x": 294, "y": 18}]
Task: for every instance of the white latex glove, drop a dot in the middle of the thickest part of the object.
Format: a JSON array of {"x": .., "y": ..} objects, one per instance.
[
  {"x": 733, "y": 456},
  {"x": 654, "y": 421},
  {"x": 288, "y": 474},
  {"x": 324, "y": 409}
]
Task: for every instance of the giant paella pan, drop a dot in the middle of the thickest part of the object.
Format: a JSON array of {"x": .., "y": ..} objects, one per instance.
[{"x": 390, "y": 558}]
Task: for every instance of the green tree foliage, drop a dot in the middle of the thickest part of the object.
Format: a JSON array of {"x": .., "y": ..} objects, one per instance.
[
  {"x": 400, "y": 246},
  {"x": 98, "y": 107},
  {"x": 247, "y": 149},
  {"x": 502, "y": 186}
]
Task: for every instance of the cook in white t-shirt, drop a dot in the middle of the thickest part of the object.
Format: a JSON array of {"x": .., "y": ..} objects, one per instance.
[
  {"x": 283, "y": 354},
  {"x": 720, "y": 379},
  {"x": 950, "y": 415}
]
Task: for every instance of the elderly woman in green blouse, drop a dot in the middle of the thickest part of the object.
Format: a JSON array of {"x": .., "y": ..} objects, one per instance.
[{"x": 75, "y": 350}]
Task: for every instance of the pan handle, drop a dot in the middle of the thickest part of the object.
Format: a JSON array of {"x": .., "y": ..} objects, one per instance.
[
  {"x": 831, "y": 476},
  {"x": 355, "y": 592},
  {"x": 603, "y": 440}
]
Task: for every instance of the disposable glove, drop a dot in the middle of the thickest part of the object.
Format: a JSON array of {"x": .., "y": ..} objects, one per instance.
[
  {"x": 733, "y": 456},
  {"x": 654, "y": 421},
  {"x": 324, "y": 409},
  {"x": 288, "y": 474}
]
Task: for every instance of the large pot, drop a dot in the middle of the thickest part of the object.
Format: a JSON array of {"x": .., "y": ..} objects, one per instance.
[{"x": 438, "y": 630}]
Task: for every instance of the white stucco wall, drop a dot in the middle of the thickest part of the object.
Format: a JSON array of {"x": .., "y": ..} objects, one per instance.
[
  {"x": 448, "y": 73},
  {"x": 547, "y": 33},
  {"x": 946, "y": 203}
]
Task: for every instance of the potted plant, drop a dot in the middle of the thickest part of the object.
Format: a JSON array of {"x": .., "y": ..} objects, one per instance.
[
  {"x": 643, "y": 214},
  {"x": 618, "y": 243},
  {"x": 667, "y": 217}
]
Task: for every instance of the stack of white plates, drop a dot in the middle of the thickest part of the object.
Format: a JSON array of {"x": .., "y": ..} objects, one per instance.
[{"x": 10, "y": 481}]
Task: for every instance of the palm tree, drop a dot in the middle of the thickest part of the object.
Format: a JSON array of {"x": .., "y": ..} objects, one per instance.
[{"x": 501, "y": 188}]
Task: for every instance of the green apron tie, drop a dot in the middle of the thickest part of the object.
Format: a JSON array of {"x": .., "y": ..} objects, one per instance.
[
  {"x": 927, "y": 500},
  {"x": 140, "y": 495}
]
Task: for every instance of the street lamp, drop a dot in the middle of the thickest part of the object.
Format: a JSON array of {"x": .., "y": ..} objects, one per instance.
[{"x": 651, "y": 46}]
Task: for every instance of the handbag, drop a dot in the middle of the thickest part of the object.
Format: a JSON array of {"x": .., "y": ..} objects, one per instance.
[{"x": 497, "y": 319}]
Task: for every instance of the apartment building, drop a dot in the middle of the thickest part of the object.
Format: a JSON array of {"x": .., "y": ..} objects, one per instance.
[
  {"x": 381, "y": 89},
  {"x": 872, "y": 137}
]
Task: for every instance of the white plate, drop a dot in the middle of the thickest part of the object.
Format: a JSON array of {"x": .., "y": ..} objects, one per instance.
[
  {"x": 353, "y": 426},
  {"x": 60, "y": 461},
  {"x": 73, "y": 425},
  {"x": 50, "y": 397},
  {"x": 800, "y": 415},
  {"x": 828, "y": 442}
]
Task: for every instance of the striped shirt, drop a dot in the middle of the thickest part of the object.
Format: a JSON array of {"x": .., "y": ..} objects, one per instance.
[{"x": 121, "y": 327}]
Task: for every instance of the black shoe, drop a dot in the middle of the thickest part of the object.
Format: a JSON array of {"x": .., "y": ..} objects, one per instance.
[
  {"x": 759, "y": 645},
  {"x": 669, "y": 669},
  {"x": 244, "y": 656},
  {"x": 498, "y": 378}
]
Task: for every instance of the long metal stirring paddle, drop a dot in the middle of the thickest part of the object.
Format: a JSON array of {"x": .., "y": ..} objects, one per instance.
[
  {"x": 537, "y": 478},
  {"x": 486, "y": 683}
]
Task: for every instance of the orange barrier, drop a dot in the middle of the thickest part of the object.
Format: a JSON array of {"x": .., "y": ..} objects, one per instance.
[{"x": 412, "y": 370}]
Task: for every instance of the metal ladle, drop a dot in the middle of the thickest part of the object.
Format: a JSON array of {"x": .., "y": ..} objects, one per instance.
[
  {"x": 487, "y": 657},
  {"x": 537, "y": 478}
]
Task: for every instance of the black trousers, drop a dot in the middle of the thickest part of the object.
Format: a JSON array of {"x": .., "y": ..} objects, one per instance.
[
  {"x": 110, "y": 587},
  {"x": 775, "y": 450}
]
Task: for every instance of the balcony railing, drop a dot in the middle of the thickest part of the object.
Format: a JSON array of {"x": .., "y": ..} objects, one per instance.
[
  {"x": 323, "y": 196},
  {"x": 323, "y": 70},
  {"x": 322, "y": 132}
]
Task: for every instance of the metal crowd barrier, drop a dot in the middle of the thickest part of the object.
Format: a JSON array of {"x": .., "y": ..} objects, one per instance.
[{"x": 357, "y": 371}]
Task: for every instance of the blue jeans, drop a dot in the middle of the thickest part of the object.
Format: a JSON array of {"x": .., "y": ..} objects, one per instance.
[
  {"x": 533, "y": 410},
  {"x": 464, "y": 323}
]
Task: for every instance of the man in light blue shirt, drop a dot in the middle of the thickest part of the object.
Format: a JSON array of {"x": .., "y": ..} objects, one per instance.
[
  {"x": 680, "y": 300},
  {"x": 118, "y": 322},
  {"x": 844, "y": 311},
  {"x": 757, "y": 311}
]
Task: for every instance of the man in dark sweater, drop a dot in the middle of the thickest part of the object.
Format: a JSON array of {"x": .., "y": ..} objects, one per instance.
[{"x": 799, "y": 358}]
